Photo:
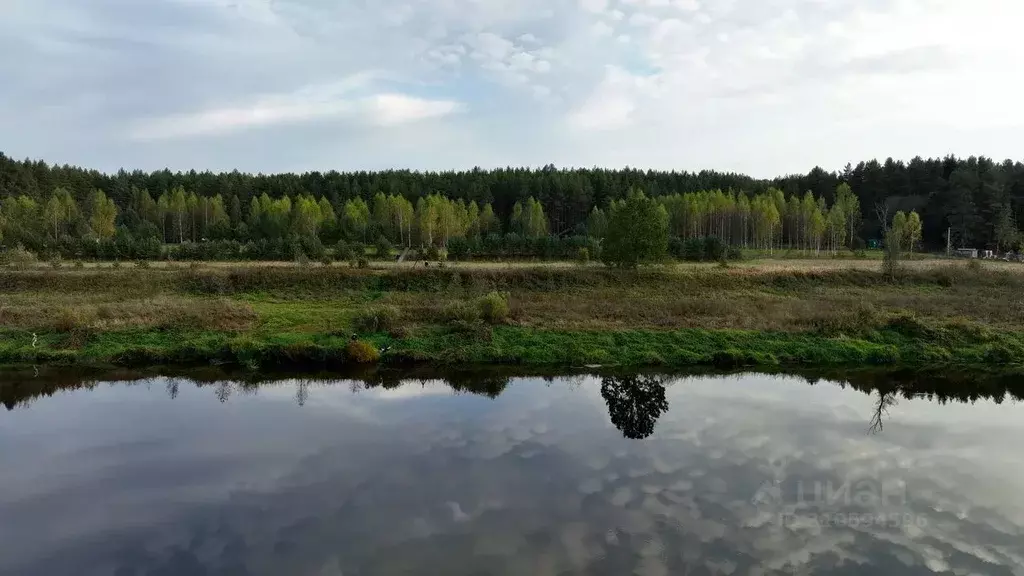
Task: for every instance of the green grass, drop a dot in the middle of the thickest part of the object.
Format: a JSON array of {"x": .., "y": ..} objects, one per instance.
[{"x": 904, "y": 343}]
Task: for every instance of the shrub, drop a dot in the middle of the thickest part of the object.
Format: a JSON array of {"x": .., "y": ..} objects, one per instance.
[
  {"x": 693, "y": 250},
  {"x": 383, "y": 246},
  {"x": 461, "y": 312},
  {"x": 361, "y": 352},
  {"x": 432, "y": 253},
  {"x": 79, "y": 264},
  {"x": 343, "y": 251},
  {"x": 325, "y": 260},
  {"x": 358, "y": 250},
  {"x": 362, "y": 262},
  {"x": 458, "y": 249},
  {"x": 714, "y": 249},
  {"x": 376, "y": 319},
  {"x": 675, "y": 247},
  {"x": 142, "y": 264},
  {"x": 583, "y": 256},
  {"x": 301, "y": 259},
  {"x": 71, "y": 320},
  {"x": 494, "y": 307},
  {"x": 116, "y": 264},
  {"x": 20, "y": 258},
  {"x": 56, "y": 263},
  {"x": 734, "y": 253},
  {"x": 974, "y": 266}
]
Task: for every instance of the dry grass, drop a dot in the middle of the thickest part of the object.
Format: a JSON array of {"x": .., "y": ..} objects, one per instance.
[
  {"x": 70, "y": 312},
  {"x": 779, "y": 295}
]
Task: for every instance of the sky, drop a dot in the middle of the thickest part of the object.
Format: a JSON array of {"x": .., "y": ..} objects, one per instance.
[{"x": 763, "y": 87}]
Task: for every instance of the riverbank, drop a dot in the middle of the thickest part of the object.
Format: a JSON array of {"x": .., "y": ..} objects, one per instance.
[{"x": 267, "y": 317}]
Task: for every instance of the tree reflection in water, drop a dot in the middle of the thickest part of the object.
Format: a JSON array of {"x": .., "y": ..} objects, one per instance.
[{"x": 634, "y": 403}]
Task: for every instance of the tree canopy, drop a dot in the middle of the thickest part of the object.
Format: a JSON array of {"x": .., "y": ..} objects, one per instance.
[{"x": 976, "y": 201}]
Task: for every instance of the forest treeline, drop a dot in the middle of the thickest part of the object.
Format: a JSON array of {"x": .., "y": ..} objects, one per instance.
[{"x": 74, "y": 212}]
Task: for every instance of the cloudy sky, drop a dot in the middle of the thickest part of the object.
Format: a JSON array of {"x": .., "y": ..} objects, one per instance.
[{"x": 759, "y": 86}]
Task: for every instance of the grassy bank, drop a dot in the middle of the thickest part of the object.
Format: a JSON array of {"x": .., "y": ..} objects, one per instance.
[{"x": 274, "y": 316}]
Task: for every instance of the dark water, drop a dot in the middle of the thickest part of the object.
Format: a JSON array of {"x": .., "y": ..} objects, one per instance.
[{"x": 639, "y": 475}]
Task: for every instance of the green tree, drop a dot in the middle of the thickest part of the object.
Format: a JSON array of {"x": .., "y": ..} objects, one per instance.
[
  {"x": 899, "y": 228},
  {"x": 835, "y": 227},
  {"x": 488, "y": 221},
  {"x": 177, "y": 206},
  {"x": 355, "y": 219},
  {"x": 850, "y": 205},
  {"x": 60, "y": 211},
  {"x": 102, "y": 215},
  {"x": 1006, "y": 233},
  {"x": 597, "y": 224},
  {"x": 235, "y": 210},
  {"x": 637, "y": 232}
]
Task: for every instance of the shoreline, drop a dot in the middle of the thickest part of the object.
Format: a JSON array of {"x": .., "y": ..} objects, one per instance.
[{"x": 895, "y": 346}]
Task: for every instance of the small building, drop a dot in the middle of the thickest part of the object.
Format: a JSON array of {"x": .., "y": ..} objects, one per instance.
[{"x": 966, "y": 252}]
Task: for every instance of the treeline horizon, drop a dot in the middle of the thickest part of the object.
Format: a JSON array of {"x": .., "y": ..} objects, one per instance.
[{"x": 69, "y": 211}]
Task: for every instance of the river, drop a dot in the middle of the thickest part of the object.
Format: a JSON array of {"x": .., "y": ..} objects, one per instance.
[{"x": 601, "y": 475}]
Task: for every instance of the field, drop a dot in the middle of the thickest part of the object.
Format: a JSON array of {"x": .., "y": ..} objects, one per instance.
[{"x": 765, "y": 311}]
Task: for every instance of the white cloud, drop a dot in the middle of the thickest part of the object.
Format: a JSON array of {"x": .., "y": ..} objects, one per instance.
[
  {"x": 594, "y": 6},
  {"x": 642, "y": 19},
  {"x": 394, "y": 109},
  {"x": 323, "y": 102},
  {"x": 76, "y": 73},
  {"x": 601, "y": 29},
  {"x": 612, "y": 104}
]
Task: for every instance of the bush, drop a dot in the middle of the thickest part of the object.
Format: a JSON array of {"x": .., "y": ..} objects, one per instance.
[
  {"x": 376, "y": 319},
  {"x": 363, "y": 262},
  {"x": 71, "y": 320},
  {"x": 675, "y": 247},
  {"x": 583, "y": 256},
  {"x": 79, "y": 264},
  {"x": 56, "y": 263},
  {"x": 142, "y": 264},
  {"x": 734, "y": 253},
  {"x": 714, "y": 249},
  {"x": 494, "y": 307},
  {"x": 343, "y": 252},
  {"x": 693, "y": 250},
  {"x": 362, "y": 352},
  {"x": 116, "y": 264},
  {"x": 326, "y": 260},
  {"x": 383, "y": 247},
  {"x": 432, "y": 253},
  {"x": 458, "y": 249},
  {"x": 461, "y": 312},
  {"x": 20, "y": 258}
]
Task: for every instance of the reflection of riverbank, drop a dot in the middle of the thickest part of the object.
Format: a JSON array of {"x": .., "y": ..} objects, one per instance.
[{"x": 635, "y": 399}]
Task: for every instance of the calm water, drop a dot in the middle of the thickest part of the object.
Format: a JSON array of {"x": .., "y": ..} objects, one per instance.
[{"x": 640, "y": 475}]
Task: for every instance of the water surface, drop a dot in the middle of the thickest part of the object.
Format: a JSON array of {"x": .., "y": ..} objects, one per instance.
[{"x": 646, "y": 475}]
